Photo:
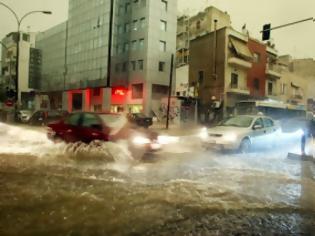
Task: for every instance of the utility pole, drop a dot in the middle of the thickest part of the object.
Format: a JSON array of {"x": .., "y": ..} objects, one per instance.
[
  {"x": 110, "y": 38},
  {"x": 169, "y": 93},
  {"x": 215, "y": 50}
]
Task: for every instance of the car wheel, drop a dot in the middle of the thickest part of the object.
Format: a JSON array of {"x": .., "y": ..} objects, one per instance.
[{"x": 245, "y": 146}]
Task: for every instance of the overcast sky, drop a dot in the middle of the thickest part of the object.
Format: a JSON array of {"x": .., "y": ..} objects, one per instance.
[{"x": 296, "y": 40}]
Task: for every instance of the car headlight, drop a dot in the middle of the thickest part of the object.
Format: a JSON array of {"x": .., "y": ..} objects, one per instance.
[
  {"x": 230, "y": 137},
  {"x": 139, "y": 140},
  {"x": 164, "y": 139},
  {"x": 203, "y": 133}
]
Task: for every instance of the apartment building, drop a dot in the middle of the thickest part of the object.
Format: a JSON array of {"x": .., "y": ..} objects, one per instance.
[
  {"x": 29, "y": 65},
  {"x": 219, "y": 71},
  {"x": 189, "y": 28},
  {"x": 144, "y": 38}
]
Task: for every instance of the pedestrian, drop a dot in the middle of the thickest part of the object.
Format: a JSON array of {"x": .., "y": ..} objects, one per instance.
[{"x": 307, "y": 135}]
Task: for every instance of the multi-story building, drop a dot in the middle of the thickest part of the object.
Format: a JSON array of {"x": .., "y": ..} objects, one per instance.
[
  {"x": 189, "y": 28},
  {"x": 26, "y": 76},
  {"x": 219, "y": 71},
  {"x": 143, "y": 40},
  {"x": 52, "y": 44}
]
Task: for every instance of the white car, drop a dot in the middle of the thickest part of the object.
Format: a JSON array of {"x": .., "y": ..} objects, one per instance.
[{"x": 242, "y": 133}]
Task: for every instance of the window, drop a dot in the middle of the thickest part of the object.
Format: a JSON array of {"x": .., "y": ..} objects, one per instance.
[
  {"x": 134, "y": 45},
  {"x": 91, "y": 121},
  {"x": 270, "y": 85},
  {"x": 234, "y": 80},
  {"x": 117, "y": 67},
  {"x": 127, "y": 27},
  {"x": 163, "y": 25},
  {"x": 142, "y": 22},
  {"x": 283, "y": 88},
  {"x": 268, "y": 123},
  {"x": 163, "y": 46},
  {"x": 125, "y": 66},
  {"x": 73, "y": 119},
  {"x": 133, "y": 65},
  {"x": 164, "y": 4},
  {"x": 141, "y": 44},
  {"x": 119, "y": 29},
  {"x": 137, "y": 91},
  {"x": 161, "y": 66},
  {"x": 259, "y": 122},
  {"x": 256, "y": 84},
  {"x": 256, "y": 57},
  {"x": 198, "y": 24},
  {"x": 142, "y": 3},
  {"x": 140, "y": 64},
  {"x": 135, "y": 25},
  {"x": 200, "y": 76},
  {"x": 126, "y": 47},
  {"x": 127, "y": 7},
  {"x": 121, "y": 10}
]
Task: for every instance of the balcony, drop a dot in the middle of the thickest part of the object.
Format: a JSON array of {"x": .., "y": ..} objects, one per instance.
[
  {"x": 273, "y": 71},
  {"x": 238, "y": 62},
  {"x": 237, "y": 89}
]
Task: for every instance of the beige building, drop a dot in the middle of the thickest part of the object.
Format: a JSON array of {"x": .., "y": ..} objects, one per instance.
[{"x": 189, "y": 28}]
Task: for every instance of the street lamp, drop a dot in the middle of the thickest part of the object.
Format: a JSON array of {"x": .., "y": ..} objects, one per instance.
[{"x": 19, "y": 22}]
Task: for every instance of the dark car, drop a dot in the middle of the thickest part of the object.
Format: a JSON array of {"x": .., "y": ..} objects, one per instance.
[
  {"x": 87, "y": 127},
  {"x": 43, "y": 117},
  {"x": 140, "y": 119}
]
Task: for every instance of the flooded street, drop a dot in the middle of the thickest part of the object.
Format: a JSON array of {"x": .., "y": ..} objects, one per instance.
[{"x": 49, "y": 189}]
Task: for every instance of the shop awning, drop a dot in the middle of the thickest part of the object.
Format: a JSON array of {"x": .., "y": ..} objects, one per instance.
[
  {"x": 241, "y": 48},
  {"x": 295, "y": 85}
]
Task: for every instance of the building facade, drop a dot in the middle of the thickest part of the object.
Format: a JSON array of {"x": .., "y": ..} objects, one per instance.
[
  {"x": 144, "y": 37},
  {"x": 219, "y": 71},
  {"x": 189, "y": 28},
  {"x": 26, "y": 80}
]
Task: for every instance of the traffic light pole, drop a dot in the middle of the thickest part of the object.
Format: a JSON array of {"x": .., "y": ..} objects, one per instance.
[{"x": 285, "y": 25}]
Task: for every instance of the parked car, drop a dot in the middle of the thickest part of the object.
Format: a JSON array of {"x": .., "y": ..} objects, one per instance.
[
  {"x": 242, "y": 133},
  {"x": 24, "y": 115},
  {"x": 43, "y": 117},
  {"x": 87, "y": 127},
  {"x": 140, "y": 119}
]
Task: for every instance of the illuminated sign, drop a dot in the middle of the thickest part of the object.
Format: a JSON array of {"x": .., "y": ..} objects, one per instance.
[{"x": 119, "y": 91}]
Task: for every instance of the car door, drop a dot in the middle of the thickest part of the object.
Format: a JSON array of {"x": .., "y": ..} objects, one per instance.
[
  {"x": 258, "y": 132},
  {"x": 271, "y": 130},
  {"x": 69, "y": 129},
  {"x": 92, "y": 128}
]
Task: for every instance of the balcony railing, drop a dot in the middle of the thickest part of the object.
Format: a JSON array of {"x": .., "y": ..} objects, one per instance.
[
  {"x": 273, "y": 71},
  {"x": 236, "y": 61},
  {"x": 238, "y": 89}
]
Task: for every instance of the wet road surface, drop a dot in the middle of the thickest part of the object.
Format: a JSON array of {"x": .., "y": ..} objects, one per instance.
[{"x": 49, "y": 189}]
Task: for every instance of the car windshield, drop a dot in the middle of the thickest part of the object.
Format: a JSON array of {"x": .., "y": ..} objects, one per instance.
[
  {"x": 238, "y": 121},
  {"x": 114, "y": 121}
]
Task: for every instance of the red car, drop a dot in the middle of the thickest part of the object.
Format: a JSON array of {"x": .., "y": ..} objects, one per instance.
[{"x": 87, "y": 127}]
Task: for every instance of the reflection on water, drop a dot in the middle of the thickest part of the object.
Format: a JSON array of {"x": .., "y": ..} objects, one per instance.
[{"x": 47, "y": 189}]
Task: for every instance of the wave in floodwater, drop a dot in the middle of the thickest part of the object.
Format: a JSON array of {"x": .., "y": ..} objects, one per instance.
[{"x": 20, "y": 140}]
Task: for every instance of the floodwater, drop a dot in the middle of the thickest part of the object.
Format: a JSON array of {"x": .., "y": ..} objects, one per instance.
[{"x": 58, "y": 189}]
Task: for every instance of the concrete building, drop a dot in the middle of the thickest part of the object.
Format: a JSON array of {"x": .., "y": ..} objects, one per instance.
[
  {"x": 189, "y": 28},
  {"x": 220, "y": 74},
  {"x": 52, "y": 44},
  {"x": 26, "y": 81},
  {"x": 144, "y": 39}
]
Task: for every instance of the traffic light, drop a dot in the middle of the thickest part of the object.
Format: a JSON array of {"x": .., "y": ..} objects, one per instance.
[
  {"x": 10, "y": 93},
  {"x": 266, "y": 32}
]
